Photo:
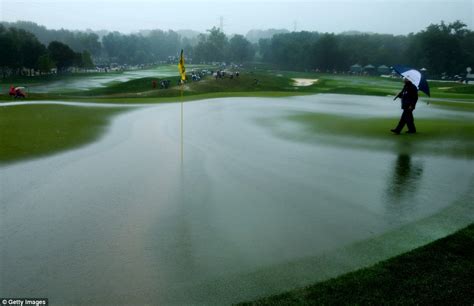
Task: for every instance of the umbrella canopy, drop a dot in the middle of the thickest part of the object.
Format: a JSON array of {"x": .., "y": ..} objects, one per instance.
[{"x": 413, "y": 76}]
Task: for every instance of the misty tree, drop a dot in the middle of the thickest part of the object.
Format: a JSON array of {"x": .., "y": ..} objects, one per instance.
[
  {"x": 211, "y": 47},
  {"x": 443, "y": 48},
  {"x": 290, "y": 50},
  {"x": 147, "y": 47},
  {"x": 76, "y": 40},
  {"x": 7, "y": 51},
  {"x": 240, "y": 49},
  {"x": 45, "y": 63},
  {"x": 326, "y": 54},
  {"x": 254, "y": 36},
  {"x": 112, "y": 44},
  {"x": 86, "y": 60},
  {"x": 63, "y": 56},
  {"x": 163, "y": 44},
  {"x": 30, "y": 49},
  {"x": 20, "y": 49}
]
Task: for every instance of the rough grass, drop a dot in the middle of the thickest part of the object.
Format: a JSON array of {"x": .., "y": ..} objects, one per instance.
[
  {"x": 28, "y": 131},
  {"x": 143, "y": 87},
  {"x": 469, "y": 89},
  {"x": 463, "y": 106},
  {"x": 439, "y": 273},
  {"x": 453, "y": 137},
  {"x": 377, "y": 127}
]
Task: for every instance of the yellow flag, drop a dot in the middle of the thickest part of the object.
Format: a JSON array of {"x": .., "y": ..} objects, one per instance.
[{"x": 182, "y": 70}]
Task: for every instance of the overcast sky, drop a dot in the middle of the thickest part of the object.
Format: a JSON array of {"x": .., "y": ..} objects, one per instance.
[{"x": 239, "y": 16}]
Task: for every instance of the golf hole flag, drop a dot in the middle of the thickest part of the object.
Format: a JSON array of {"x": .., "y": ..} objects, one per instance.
[{"x": 182, "y": 70}]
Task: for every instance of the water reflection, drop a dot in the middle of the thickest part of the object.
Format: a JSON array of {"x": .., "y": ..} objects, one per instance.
[
  {"x": 249, "y": 212},
  {"x": 403, "y": 184}
]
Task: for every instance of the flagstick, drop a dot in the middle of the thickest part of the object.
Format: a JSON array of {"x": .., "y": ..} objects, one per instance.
[
  {"x": 182, "y": 72},
  {"x": 182, "y": 128}
]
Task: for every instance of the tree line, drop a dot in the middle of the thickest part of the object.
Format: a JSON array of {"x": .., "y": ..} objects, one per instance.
[
  {"x": 440, "y": 48},
  {"x": 21, "y": 50}
]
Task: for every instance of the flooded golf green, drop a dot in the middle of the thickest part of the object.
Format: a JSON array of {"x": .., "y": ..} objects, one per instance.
[
  {"x": 269, "y": 194},
  {"x": 87, "y": 82}
]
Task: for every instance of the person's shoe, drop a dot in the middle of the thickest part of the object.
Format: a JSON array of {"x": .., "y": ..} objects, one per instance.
[
  {"x": 395, "y": 131},
  {"x": 410, "y": 132}
]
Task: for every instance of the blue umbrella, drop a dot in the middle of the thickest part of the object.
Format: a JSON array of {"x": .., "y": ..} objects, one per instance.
[{"x": 413, "y": 76}]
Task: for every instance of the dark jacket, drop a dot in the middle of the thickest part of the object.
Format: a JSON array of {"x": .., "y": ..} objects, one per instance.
[{"x": 409, "y": 96}]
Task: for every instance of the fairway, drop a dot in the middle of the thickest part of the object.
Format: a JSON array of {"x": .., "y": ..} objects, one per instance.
[{"x": 270, "y": 194}]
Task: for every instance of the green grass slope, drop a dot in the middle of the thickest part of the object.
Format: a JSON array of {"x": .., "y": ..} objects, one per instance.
[
  {"x": 439, "y": 273},
  {"x": 28, "y": 131}
]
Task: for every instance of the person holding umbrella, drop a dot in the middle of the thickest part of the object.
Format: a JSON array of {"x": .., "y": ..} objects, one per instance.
[{"x": 409, "y": 96}]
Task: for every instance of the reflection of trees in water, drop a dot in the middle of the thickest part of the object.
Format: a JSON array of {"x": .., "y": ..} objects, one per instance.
[{"x": 403, "y": 184}]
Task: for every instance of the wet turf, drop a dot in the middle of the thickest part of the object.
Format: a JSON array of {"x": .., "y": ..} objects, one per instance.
[
  {"x": 28, "y": 131},
  {"x": 438, "y": 273}
]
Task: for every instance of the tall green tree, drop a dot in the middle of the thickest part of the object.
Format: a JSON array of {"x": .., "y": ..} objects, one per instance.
[
  {"x": 326, "y": 53},
  {"x": 8, "y": 51},
  {"x": 86, "y": 60},
  {"x": 61, "y": 54},
  {"x": 218, "y": 43},
  {"x": 45, "y": 63},
  {"x": 30, "y": 50},
  {"x": 240, "y": 49},
  {"x": 442, "y": 48},
  {"x": 212, "y": 47}
]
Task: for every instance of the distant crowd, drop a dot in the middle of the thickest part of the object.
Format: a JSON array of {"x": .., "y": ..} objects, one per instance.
[
  {"x": 198, "y": 76},
  {"x": 221, "y": 74}
]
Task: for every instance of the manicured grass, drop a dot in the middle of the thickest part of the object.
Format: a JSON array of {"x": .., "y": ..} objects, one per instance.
[
  {"x": 377, "y": 127},
  {"x": 435, "y": 136},
  {"x": 439, "y": 273},
  {"x": 132, "y": 86},
  {"x": 463, "y": 106},
  {"x": 244, "y": 83},
  {"x": 28, "y": 131},
  {"x": 469, "y": 89}
]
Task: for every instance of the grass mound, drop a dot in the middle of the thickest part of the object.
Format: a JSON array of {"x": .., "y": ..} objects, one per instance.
[
  {"x": 28, "y": 131},
  {"x": 436, "y": 274},
  {"x": 249, "y": 82},
  {"x": 435, "y": 136},
  {"x": 466, "y": 89},
  {"x": 378, "y": 127}
]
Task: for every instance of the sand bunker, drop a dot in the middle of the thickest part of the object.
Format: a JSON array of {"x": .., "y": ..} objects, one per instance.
[{"x": 304, "y": 82}]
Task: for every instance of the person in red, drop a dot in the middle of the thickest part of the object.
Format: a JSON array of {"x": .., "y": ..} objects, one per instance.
[
  {"x": 12, "y": 91},
  {"x": 19, "y": 93}
]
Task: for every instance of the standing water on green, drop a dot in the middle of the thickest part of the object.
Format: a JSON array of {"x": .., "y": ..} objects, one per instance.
[{"x": 271, "y": 194}]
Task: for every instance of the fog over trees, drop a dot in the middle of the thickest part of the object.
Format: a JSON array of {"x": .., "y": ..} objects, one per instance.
[{"x": 440, "y": 48}]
